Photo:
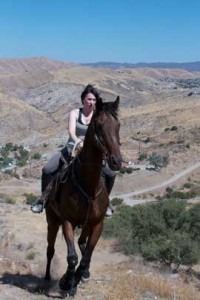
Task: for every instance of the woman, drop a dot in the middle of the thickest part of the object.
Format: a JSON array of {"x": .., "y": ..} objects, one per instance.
[{"x": 78, "y": 122}]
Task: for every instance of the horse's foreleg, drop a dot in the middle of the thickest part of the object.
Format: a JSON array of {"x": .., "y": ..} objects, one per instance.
[
  {"x": 67, "y": 281},
  {"x": 51, "y": 238},
  {"x": 86, "y": 230},
  {"x": 82, "y": 245},
  {"x": 87, "y": 254}
]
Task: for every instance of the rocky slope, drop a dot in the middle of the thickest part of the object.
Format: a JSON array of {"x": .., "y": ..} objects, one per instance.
[{"x": 37, "y": 94}]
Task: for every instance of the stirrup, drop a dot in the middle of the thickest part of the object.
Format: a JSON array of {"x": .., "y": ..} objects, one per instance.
[{"x": 38, "y": 206}]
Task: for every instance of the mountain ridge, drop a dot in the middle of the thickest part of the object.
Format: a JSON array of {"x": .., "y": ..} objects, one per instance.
[
  {"x": 51, "y": 64},
  {"x": 188, "y": 66},
  {"x": 152, "y": 101}
]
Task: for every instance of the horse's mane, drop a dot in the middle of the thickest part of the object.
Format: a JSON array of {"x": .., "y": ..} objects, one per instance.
[{"x": 106, "y": 107}]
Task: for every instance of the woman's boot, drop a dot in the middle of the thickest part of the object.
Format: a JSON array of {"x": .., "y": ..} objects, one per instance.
[{"x": 47, "y": 185}]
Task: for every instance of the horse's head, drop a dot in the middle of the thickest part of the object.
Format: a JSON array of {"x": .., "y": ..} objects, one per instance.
[{"x": 106, "y": 126}]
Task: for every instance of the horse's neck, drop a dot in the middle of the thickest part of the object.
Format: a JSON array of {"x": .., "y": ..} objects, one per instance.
[{"x": 90, "y": 168}]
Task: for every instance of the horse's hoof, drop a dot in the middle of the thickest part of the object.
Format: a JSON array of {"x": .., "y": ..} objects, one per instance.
[
  {"x": 86, "y": 276},
  {"x": 71, "y": 292},
  {"x": 64, "y": 285},
  {"x": 63, "y": 294}
]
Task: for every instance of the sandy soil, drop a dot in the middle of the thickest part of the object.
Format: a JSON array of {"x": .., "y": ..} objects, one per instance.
[
  {"x": 23, "y": 240},
  {"x": 23, "y": 257}
]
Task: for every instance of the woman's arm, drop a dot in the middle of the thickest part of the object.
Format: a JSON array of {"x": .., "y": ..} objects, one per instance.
[{"x": 73, "y": 116}]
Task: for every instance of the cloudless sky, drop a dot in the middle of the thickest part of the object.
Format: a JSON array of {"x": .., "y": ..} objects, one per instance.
[{"x": 101, "y": 30}]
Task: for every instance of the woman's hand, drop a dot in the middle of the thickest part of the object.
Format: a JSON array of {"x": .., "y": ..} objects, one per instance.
[{"x": 79, "y": 145}]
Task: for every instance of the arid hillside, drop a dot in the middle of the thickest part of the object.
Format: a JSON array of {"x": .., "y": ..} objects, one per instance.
[
  {"x": 159, "y": 113},
  {"x": 37, "y": 94}
]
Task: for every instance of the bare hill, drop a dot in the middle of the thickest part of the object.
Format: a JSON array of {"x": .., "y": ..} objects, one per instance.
[
  {"x": 21, "y": 65},
  {"x": 152, "y": 101},
  {"x": 19, "y": 120},
  {"x": 159, "y": 113}
]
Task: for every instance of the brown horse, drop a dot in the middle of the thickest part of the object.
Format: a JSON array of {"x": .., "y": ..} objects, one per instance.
[{"x": 82, "y": 199}]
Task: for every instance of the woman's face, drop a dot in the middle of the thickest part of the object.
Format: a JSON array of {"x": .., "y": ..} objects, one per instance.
[{"x": 90, "y": 101}]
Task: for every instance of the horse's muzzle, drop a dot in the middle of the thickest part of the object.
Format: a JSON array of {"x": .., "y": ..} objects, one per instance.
[{"x": 115, "y": 162}]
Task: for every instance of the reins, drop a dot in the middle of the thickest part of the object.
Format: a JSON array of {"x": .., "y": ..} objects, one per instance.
[
  {"x": 77, "y": 183},
  {"x": 91, "y": 163},
  {"x": 75, "y": 180},
  {"x": 99, "y": 141},
  {"x": 99, "y": 144},
  {"x": 83, "y": 193}
]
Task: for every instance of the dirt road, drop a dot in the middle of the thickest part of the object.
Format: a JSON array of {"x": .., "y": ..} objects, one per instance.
[
  {"x": 128, "y": 197},
  {"x": 23, "y": 248}
]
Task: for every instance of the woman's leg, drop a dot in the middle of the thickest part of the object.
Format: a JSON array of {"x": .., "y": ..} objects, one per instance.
[
  {"x": 109, "y": 182},
  {"x": 49, "y": 171}
]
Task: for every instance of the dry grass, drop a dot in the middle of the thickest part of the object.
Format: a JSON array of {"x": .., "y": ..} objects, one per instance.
[
  {"x": 126, "y": 283},
  {"x": 113, "y": 276},
  {"x": 164, "y": 287}
]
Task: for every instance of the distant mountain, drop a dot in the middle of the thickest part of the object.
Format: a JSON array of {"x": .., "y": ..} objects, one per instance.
[
  {"x": 36, "y": 95},
  {"x": 190, "y": 66},
  {"x": 30, "y": 64}
]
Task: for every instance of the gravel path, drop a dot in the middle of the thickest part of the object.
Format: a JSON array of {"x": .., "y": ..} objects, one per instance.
[{"x": 128, "y": 197}]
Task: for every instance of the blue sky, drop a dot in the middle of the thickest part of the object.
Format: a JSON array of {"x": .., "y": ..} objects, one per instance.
[{"x": 101, "y": 30}]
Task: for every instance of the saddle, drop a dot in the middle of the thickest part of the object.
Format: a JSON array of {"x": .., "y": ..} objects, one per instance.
[{"x": 64, "y": 169}]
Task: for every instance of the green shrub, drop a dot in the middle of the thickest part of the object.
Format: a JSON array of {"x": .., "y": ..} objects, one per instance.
[
  {"x": 142, "y": 156},
  {"x": 187, "y": 145},
  {"x": 21, "y": 162},
  {"x": 147, "y": 140},
  {"x": 177, "y": 249},
  {"x": 119, "y": 225},
  {"x": 187, "y": 185},
  {"x": 36, "y": 156},
  {"x": 10, "y": 147},
  {"x": 129, "y": 170},
  {"x": 173, "y": 128},
  {"x": 166, "y": 231},
  {"x": 11, "y": 173},
  {"x": 158, "y": 160},
  {"x": 171, "y": 193},
  {"x": 7, "y": 161},
  {"x": 122, "y": 170},
  {"x": 31, "y": 255},
  {"x": 23, "y": 153},
  {"x": 7, "y": 199},
  {"x": 4, "y": 152},
  {"x": 194, "y": 222},
  {"x": 116, "y": 201},
  {"x": 30, "y": 198}
]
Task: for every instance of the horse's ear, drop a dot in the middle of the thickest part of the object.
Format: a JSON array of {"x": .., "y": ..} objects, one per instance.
[
  {"x": 116, "y": 103},
  {"x": 99, "y": 104}
]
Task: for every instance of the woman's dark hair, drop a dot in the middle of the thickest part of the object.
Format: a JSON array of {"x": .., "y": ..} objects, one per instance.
[{"x": 90, "y": 89}]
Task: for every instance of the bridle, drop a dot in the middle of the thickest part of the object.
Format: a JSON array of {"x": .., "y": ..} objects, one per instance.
[
  {"x": 79, "y": 189},
  {"x": 99, "y": 142},
  {"x": 77, "y": 160}
]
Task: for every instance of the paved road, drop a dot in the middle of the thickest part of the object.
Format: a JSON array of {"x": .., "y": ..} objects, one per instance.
[{"x": 128, "y": 196}]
